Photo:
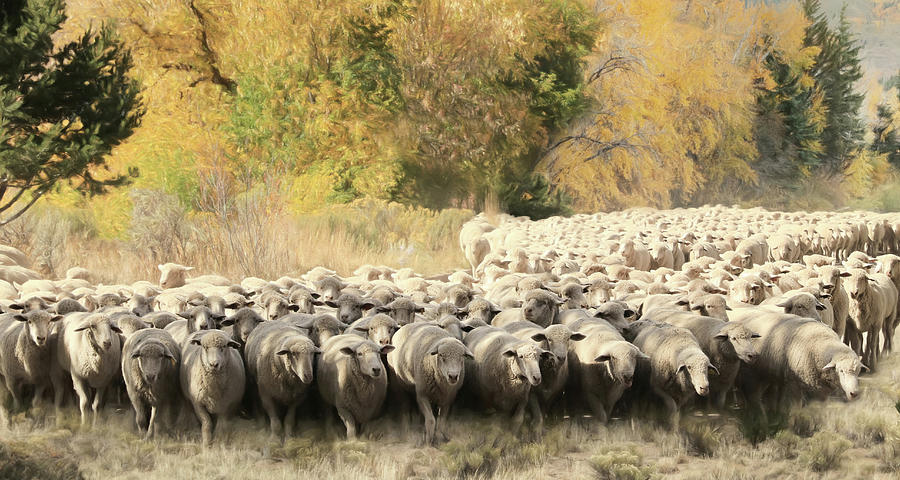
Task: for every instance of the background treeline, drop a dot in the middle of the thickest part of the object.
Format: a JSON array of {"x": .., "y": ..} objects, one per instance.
[{"x": 260, "y": 112}]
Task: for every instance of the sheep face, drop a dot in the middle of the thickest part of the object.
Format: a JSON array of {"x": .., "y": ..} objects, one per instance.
[
  {"x": 380, "y": 329},
  {"x": 350, "y": 307},
  {"x": 402, "y": 310},
  {"x": 459, "y": 295},
  {"x": 740, "y": 340},
  {"x": 244, "y": 321},
  {"x": 214, "y": 350},
  {"x": 540, "y": 306},
  {"x": 831, "y": 278},
  {"x": 173, "y": 275},
  {"x": 714, "y": 306},
  {"x": 329, "y": 288},
  {"x": 325, "y": 327},
  {"x": 480, "y": 309},
  {"x": 857, "y": 283},
  {"x": 201, "y": 318},
  {"x": 99, "y": 331},
  {"x": 574, "y": 296},
  {"x": 278, "y": 306},
  {"x": 555, "y": 339},
  {"x": 450, "y": 359},
  {"x": 367, "y": 356},
  {"x": 37, "y": 324},
  {"x": 451, "y": 325},
  {"x": 140, "y": 305},
  {"x": 697, "y": 369},
  {"x": 844, "y": 371},
  {"x": 525, "y": 362},
  {"x": 620, "y": 360},
  {"x": 305, "y": 302},
  {"x": 152, "y": 358},
  {"x": 298, "y": 357}
]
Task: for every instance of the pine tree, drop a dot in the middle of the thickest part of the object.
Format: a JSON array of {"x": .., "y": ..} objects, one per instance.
[
  {"x": 836, "y": 72},
  {"x": 62, "y": 108},
  {"x": 885, "y": 130}
]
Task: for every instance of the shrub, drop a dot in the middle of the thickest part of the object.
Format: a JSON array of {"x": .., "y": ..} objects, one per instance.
[
  {"x": 787, "y": 443},
  {"x": 618, "y": 464},
  {"x": 824, "y": 451},
  {"x": 21, "y": 465},
  {"x": 700, "y": 438}
]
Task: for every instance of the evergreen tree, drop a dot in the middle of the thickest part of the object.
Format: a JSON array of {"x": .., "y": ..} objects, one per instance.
[
  {"x": 836, "y": 71},
  {"x": 62, "y": 108},
  {"x": 885, "y": 130}
]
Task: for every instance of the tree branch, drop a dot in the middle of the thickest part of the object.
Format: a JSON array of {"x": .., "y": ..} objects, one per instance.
[
  {"x": 210, "y": 55},
  {"x": 14, "y": 199},
  {"x": 613, "y": 63},
  {"x": 37, "y": 195}
]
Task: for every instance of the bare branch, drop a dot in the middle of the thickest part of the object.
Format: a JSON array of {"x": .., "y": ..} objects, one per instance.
[
  {"x": 14, "y": 199},
  {"x": 37, "y": 195},
  {"x": 210, "y": 55},
  {"x": 614, "y": 62}
]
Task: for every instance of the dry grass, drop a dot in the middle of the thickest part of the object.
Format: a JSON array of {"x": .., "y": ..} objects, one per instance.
[{"x": 247, "y": 237}]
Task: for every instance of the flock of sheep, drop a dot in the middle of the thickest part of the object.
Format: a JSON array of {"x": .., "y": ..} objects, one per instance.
[{"x": 688, "y": 308}]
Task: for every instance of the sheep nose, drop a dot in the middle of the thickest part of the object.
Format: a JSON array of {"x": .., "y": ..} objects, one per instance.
[
  {"x": 703, "y": 391},
  {"x": 853, "y": 395},
  {"x": 151, "y": 378},
  {"x": 453, "y": 377},
  {"x": 41, "y": 340},
  {"x": 751, "y": 357},
  {"x": 214, "y": 364},
  {"x": 535, "y": 379},
  {"x": 107, "y": 344},
  {"x": 376, "y": 372}
]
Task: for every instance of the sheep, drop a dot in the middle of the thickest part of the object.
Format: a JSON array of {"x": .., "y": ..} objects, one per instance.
[
  {"x": 430, "y": 363},
  {"x": 350, "y": 307},
  {"x": 540, "y": 307},
  {"x": 280, "y": 362},
  {"x": 870, "y": 304},
  {"x": 378, "y": 328},
  {"x": 832, "y": 284},
  {"x": 503, "y": 371},
  {"x": 678, "y": 368},
  {"x": 329, "y": 288},
  {"x": 197, "y": 318},
  {"x": 554, "y": 369},
  {"x": 276, "y": 305},
  {"x": 726, "y": 344},
  {"x": 573, "y": 296},
  {"x": 68, "y": 305},
  {"x": 141, "y": 305},
  {"x": 402, "y": 309},
  {"x": 305, "y": 300},
  {"x": 799, "y": 352},
  {"x": 889, "y": 265},
  {"x": 90, "y": 351},
  {"x": 601, "y": 365},
  {"x": 351, "y": 378},
  {"x": 473, "y": 244},
  {"x": 709, "y": 305},
  {"x": 150, "y": 368},
  {"x": 24, "y": 355},
  {"x": 160, "y": 319},
  {"x": 636, "y": 254},
  {"x": 242, "y": 324},
  {"x": 802, "y": 304},
  {"x": 458, "y": 294},
  {"x": 173, "y": 275},
  {"x": 127, "y": 323},
  {"x": 212, "y": 378},
  {"x": 318, "y": 328},
  {"x": 478, "y": 308}
]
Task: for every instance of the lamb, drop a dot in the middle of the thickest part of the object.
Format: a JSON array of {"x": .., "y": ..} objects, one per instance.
[
  {"x": 601, "y": 365},
  {"x": 636, "y": 255},
  {"x": 173, "y": 275},
  {"x": 554, "y": 369},
  {"x": 150, "y": 367},
  {"x": 726, "y": 344},
  {"x": 351, "y": 378},
  {"x": 280, "y": 362},
  {"x": 24, "y": 356},
  {"x": 540, "y": 307},
  {"x": 802, "y": 352},
  {"x": 350, "y": 307},
  {"x": 197, "y": 318},
  {"x": 90, "y": 351},
  {"x": 678, "y": 368},
  {"x": 212, "y": 378},
  {"x": 430, "y": 363},
  {"x": 503, "y": 371}
]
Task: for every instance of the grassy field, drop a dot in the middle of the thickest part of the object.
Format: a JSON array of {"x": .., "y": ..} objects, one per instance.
[{"x": 833, "y": 439}]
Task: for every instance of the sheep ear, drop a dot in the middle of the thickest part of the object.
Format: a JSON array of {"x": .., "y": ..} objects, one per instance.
[
  {"x": 317, "y": 350},
  {"x": 467, "y": 328},
  {"x": 227, "y": 321},
  {"x": 419, "y": 309},
  {"x": 728, "y": 308},
  {"x": 283, "y": 352},
  {"x": 20, "y": 317},
  {"x": 681, "y": 367},
  {"x": 186, "y": 315},
  {"x": 697, "y": 307},
  {"x": 361, "y": 328},
  {"x": 187, "y": 269},
  {"x": 233, "y": 344},
  {"x": 331, "y": 303},
  {"x": 863, "y": 367},
  {"x": 83, "y": 327},
  {"x": 603, "y": 357},
  {"x": 577, "y": 337},
  {"x": 784, "y": 304},
  {"x": 643, "y": 355},
  {"x": 721, "y": 336},
  {"x": 713, "y": 369},
  {"x": 628, "y": 313},
  {"x": 829, "y": 366},
  {"x": 682, "y": 302},
  {"x": 468, "y": 354},
  {"x": 844, "y": 274},
  {"x": 382, "y": 309},
  {"x": 195, "y": 341},
  {"x": 367, "y": 305},
  {"x": 510, "y": 353},
  {"x": 233, "y": 305},
  {"x": 217, "y": 317},
  {"x": 314, "y": 295},
  {"x": 820, "y": 306},
  {"x": 294, "y": 308},
  {"x": 136, "y": 355},
  {"x": 755, "y": 335},
  {"x": 115, "y": 328},
  {"x": 539, "y": 337},
  {"x": 385, "y": 349},
  {"x": 433, "y": 351},
  {"x": 160, "y": 267}
]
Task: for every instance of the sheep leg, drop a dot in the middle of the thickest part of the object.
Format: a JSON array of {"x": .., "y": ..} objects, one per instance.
[
  {"x": 151, "y": 425},
  {"x": 205, "y": 424},
  {"x": 518, "y": 417},
  {"x": 349, "y": 422},
  {"x": 15, "y": 392},
  {"x": 598, "y": 409},
  {"x": 671, "y": 406},
  {"x": 81, "y": 390},
  {"x": 428, "y": 413},
  {"x": 98, "y": 401},
  {"x": 4, "y": 412},
  {"x": 290, "y": 419},
  {"x": 140, "y": 416},
  {"x": 441, "y": 422},
  {"x": 537, "y": 416},
  {"x": 272, "y": 411}
]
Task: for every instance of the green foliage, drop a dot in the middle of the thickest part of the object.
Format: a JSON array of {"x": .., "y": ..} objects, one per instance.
[
  {"x": 531, "y": 196},
  {"x": 62, "y": 109},
  {"x": 487, "y": 449},
  {"x": 621, "y": 464},
  {"x": 18, "y": 463},
  {"x": 824, "y": 451},
  {"x": 886, "y": 140}
]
